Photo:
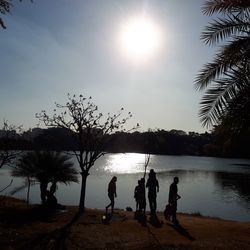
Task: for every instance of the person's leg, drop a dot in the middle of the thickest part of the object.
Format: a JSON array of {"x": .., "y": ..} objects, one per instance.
[
  {"x": 155, "y": 205},
  {"x": 139, "y": 208},
  {"x": 151, "y": 204},
  {"x": 112, "y": 204},
  {"x": 144, "y": 209},
  {"x": 174, "y": 219},
  {"x": 108, "y": 206},
  {"x": 137, "y": 205},
  {"x": 144, "y": 206}
]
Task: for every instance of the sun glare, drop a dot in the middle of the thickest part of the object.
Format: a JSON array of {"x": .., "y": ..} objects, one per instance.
[
  {"x": 140, "y": 38},
  {"x": 125, "y": 163}
]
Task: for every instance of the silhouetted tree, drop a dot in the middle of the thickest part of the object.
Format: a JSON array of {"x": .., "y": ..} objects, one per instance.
[
  {"x": 81, "y": 117},
  {"x": 226, "y": 79},
  {"x": 5, "y": 8},
  {"x": 8, "y": 153},
  {"x": 232, "y": 142},
  {"x": 55, "y": 139},
  {"x": 45, "y": 167}
]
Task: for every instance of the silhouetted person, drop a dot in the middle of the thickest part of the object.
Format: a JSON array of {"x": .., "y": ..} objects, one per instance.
[
  {"x": 136, "y": 195},
  {"x": 51, "y": 201},
  {"x": 173, "y": 197},
  {"x": 153, "y": 188},
  {"x": 112, "y": 194}
]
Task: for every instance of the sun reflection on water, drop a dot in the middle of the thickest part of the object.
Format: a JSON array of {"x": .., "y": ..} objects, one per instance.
[{"x": 125, "y": 163}]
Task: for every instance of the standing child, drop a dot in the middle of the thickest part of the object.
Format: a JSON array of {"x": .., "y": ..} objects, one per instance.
[{"x": 137, "y": 194}]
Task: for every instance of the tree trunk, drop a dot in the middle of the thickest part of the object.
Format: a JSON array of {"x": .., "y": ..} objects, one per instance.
[
  {"x": 28, "y": 192},
  {"x": 84, "y": 175}
]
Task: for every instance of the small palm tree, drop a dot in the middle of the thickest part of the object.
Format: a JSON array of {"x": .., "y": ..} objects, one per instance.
[
  {"x": 226, "y": 79},
  {"x": 46, "y": 167}
]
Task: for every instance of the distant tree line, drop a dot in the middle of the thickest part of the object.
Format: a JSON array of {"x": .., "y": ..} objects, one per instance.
[{"x": 173, "y": 142}]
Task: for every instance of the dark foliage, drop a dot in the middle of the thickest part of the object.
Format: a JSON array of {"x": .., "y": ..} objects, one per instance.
[
  {"x": 5, "y": 8},
  {"x": 222, "y": 142},
  {"x": 226, "y": 79}
]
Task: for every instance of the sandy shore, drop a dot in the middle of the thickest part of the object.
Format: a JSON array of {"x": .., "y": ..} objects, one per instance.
[{"x": 23, "y": 227}]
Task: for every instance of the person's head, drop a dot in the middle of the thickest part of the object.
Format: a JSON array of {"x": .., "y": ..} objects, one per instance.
[
  {"x": 114, "y": 179},
  {"x": 151, "y": 173},
  {"x": 176, "y": 179}
]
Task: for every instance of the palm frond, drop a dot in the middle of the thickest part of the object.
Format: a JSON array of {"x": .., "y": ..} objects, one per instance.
[
  {"x": 237, "y": 118},
  {"x": 227, "y": 77},
  {"x": 238, "y": 49},
  {"x": 230, "y": 56},
  {"x": 22, "y": 187},
  {"x": 223, "y": 6},
  {"x": 211, "y": 71},
  {"x": 214, "y": 103},
  {"x": 46, "y": 167},
  {"x": 224, "y": 28},
  {"x": 218, "y": 99}
]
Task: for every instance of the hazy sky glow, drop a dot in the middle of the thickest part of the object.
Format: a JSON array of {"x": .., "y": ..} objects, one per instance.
[
  {"x": 140, "y": 39},
  {"x": 52, "y": 48}
]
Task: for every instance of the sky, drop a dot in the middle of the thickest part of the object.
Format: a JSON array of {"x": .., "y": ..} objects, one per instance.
[{"x": 51, "y": 48}]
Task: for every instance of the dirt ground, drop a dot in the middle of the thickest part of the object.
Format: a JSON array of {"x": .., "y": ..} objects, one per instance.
[{"x": 28, "y": 228}]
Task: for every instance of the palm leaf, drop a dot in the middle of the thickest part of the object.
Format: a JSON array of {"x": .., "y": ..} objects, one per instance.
[
  {"x": 221, "y": 29},
  {"x": 237, "y": 118},
  {"x": 226, "y": 78},
  {"x": 223, "y": 96},
  {"x": 22, "y": 187},
  {"x": 228, "y": 57},
  {"x": 46, "y": 167},
  {"x": 221, "y": 6},
  {"x": 214, "y": 103}
]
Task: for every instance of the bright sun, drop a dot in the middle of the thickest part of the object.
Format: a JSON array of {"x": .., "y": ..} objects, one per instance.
[{"x": 140, "y": 38}]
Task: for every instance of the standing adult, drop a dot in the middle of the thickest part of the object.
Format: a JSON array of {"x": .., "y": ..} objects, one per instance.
[
  {"x": 173, "y": 197},
  {"x": 153, "y": 187},
  {"x": 137, "y": 195},
  {"x": 112, "y": 194}
]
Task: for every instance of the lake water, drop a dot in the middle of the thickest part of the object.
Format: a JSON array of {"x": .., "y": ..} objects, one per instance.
[{"x": 217, "y": 187}]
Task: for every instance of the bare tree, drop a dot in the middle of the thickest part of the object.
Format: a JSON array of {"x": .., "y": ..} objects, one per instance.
[
  {"x": 7, "y": 152},
  {"x": 147, "y": 159},
  {"x": 81, "y": 117},
  {"x": 5, "y": 8}
]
